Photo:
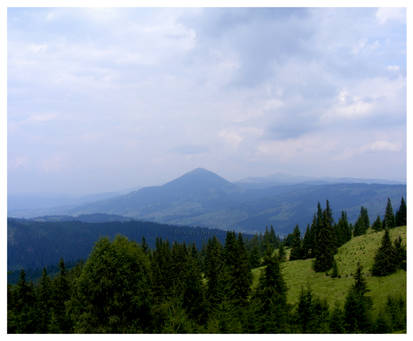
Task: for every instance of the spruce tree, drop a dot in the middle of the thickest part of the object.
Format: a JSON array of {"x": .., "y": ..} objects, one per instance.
[
  {"x": 214, "y": 266},
  {"x": 270, "y": 300},
  {"x": 401, "y": 214},
  {"x": 307, "y": 243},
  {"x": 377, "y": 225},
  {"x": 342, "y": 229},
  {"x": 337, "y": 320},
  {"x": 400, "y": 254},
  {"x": 296, "y": 249},
  {"x": 388, "y": 221},
  {"x": 362, "y": 223},
  {"x": 325, "y": 242},
  {"x": 44, "y": 302},
  {"x": 254, "y": 255},
  {"x": 385, "y": 259},
  {"x": 357, "y": 306}
]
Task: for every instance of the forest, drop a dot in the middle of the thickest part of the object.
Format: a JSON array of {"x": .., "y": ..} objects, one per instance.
[{"x": 125, "y": 286}]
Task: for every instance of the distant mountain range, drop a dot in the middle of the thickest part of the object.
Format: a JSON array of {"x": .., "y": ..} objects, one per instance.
[{"x": 202, "y": 198}]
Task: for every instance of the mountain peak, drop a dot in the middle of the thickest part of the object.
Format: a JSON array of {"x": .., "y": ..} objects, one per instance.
[{"x": 199, "y": 178}]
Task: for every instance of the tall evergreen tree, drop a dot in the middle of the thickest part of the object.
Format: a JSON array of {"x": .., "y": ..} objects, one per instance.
[
  {"x": 388, "y": 221},
  {"x": 325, "y": 242},
  {"x": 270, "y": 300},
  {"x": 44, "y": 302},
  {"x": 357, "y": 306},
  {"x": 60, "y": 295},
  {"x": 308, "y": 242},
  {"x": 296, "y": 248},
  {"x": 377, "y": 225},
  {"x": 385, "y": 258},
  {"x": 362, "y": 223},
  {"x": 401, "y": 214},
  {"x": 342, "y": 229},
  {"x": 214, "y": 267},
  {"x": 400, "y": 254}
]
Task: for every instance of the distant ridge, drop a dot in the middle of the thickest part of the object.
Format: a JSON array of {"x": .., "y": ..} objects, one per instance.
[{"x": 202, "y": 198}]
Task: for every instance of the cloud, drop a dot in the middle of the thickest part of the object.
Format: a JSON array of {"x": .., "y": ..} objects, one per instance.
[
  {"x": 167, "y": 88},
  {"x": 385, "y": 14}
]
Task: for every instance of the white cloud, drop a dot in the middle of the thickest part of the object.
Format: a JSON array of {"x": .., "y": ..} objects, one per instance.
[
  {"x": 393, "y": 67},
  {"x": 385, "y": 14}
]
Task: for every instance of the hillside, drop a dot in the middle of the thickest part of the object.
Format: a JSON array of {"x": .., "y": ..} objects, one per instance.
[
  {"x": 299, "y": 273},
  {"x": 202, "y": 198},
  {"x": 34, "y": 244}
]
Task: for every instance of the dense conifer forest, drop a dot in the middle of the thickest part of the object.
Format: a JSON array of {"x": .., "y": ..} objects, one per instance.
[{"x": 129, "y": 287}]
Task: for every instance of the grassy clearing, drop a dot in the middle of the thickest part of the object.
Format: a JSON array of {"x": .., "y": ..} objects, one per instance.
[{"x": 299, "y": 273}]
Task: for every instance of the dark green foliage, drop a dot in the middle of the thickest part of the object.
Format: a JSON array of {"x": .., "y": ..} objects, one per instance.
[
  {"x": 377, "y": 225},
  {"x": 357, "y": 306},
  {"x": 362, "y": 223},
  {"x": 334, "y": 272},
  {"x": 312, "y": 315},
  {"x": 22, "y": 315},
  {"x": 388, "y": 221},
  {"x": 401, "y": 214},
  {"x": 236, "y": 263},
  {"x": 308, "y": 242},
  {"x": 385, "y": 259},
  {"x": 296, "y": 248},
  {"x": 44, "y": 294},
  {"x": 325, "y": 240},
  {"x": 214, "y": 268},
  {"x": 281, "y": 253},
  {"x": 396, "y": 313},
  {"x": 270, "y": 300},
  {"x": 60, "y": 295},
  {"x": 337, "y": 320},
  {"x": 254, "y": 253},
  {"x": 400, "y": 254},
  {"x": 342, "y": 229},
  {"x": 113, "y": 292}
]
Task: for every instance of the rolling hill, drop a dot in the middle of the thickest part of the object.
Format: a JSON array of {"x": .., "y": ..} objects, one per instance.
[{"x": 299, "y": 273}]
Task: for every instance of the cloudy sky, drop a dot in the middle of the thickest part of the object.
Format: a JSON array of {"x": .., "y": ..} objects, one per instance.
[{"x": 109, "y": 99}]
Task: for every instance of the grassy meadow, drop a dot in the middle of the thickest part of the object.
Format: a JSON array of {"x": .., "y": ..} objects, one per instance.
[{"x": 299, "y": 274}]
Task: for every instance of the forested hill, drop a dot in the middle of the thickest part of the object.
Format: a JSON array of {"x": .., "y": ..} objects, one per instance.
[
  {"x": 34, "y": 244},
  {"x": 202, "y": 198}
]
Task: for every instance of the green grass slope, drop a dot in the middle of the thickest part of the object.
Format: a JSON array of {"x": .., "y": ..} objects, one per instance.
[{"x": 299, "y": 273}]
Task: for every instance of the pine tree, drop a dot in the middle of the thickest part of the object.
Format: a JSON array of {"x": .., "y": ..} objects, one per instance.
[
  {"x": 401, "y": 214},
  {"x": 44, "y": 302},
  {"x": 385, "y": 259},
  {"x": 342, "y": 229},
  {"x": 270, "y": 300},
  {"x": 362, "y": 223},
  {"x": 357, "y": 306},
  {"x": 25, "y": 314},
  {"x": 296, "y": 249},
  {"x": 325, "y": 242},
  {"x": 337, "y": 320},
  {"x": 377, "y": 225},
  {"x": 214, "y": 266},
  {"x": 60, "y": 295},
  {"x": 400, "y": 254},
  {"x": 254, "y": 256},
  {"x": 388, "y": 221},
  {"x": 308, "y": 243}
]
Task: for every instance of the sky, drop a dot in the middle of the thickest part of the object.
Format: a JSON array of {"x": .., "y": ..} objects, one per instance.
[{"x": 102, "y": 100}]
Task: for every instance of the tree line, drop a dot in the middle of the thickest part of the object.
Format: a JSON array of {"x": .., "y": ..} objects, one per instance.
[{"x": 128, "y": 287}]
